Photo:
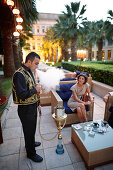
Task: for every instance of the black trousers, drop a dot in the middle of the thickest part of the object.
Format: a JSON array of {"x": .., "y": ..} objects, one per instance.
[
  {"x": 110, "y": 120},
  {"x": 28, "y": 117}
]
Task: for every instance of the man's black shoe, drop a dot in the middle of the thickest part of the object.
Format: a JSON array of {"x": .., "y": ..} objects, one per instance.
[
  {"x": 36, "y": 158},
  {"x": 37, "y": 144}
]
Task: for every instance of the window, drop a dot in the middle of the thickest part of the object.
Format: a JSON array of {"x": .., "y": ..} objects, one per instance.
[
  {"x": 109, "y": 54},
  {"x": 43, "y": 30},
  {"x": 38, "y": 30},
  {"x": 33, "y": 47},
  {"x": 103, "y": 54},
  {"x": 33, "y": 30},
  {"x": 92, "y": 54}
]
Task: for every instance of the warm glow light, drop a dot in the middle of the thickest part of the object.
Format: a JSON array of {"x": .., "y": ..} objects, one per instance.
[
  {"x": 19, "y": 19},
  {"x": 81, "y": 53},
  {"x": 19, "y": 27},
  {"x": 16, "y": 34},
  {"x": 16, "y": 11},
  {"x": 10, "y": 3}
]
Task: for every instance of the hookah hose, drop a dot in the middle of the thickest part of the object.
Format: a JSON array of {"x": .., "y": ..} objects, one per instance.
[{"x": 39, "y": 110}]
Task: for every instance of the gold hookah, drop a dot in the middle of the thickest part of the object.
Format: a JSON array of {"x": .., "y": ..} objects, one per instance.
[{"x": 59, "y": 116}]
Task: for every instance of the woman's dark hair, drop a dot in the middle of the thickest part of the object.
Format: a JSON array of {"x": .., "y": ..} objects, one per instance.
[
  {"x": 31, "y": 56},
  {"x": 84, "y": 75}
]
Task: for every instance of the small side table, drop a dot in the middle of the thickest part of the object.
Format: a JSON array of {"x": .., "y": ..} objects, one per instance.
[{"x": 60, "y": 149}]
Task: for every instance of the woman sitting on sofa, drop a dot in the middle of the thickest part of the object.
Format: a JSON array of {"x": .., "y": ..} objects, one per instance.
[{"x": 77, "y": 100}]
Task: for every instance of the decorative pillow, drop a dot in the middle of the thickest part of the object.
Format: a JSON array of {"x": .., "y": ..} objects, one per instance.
[
  {"x": 66, "y": 87},
  {"x": 65, "y": 95}
]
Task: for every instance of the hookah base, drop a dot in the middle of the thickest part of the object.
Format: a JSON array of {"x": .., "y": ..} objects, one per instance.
[{"x": 60, "y": 149}]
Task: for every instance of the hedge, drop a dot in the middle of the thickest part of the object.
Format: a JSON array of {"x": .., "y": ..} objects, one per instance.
[{"x": 98, "y": 74}]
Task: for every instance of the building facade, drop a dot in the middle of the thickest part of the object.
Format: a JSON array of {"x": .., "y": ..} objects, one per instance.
[
  {"x": 47, "y": 20},
  {"x": 107, "y": 51},
  {"x": 39, "y": 29}
]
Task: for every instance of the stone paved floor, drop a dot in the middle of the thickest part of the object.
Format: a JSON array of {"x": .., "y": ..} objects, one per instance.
[{"x": 12, "y": 151}]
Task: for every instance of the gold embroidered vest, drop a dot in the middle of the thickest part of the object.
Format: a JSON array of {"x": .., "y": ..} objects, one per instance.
[{"x": 31, "y": 84}]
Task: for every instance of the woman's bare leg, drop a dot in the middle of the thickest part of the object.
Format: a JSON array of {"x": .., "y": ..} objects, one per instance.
[
  {"x": 79, "y": 113},
  {"x": 83, "y": 110}
]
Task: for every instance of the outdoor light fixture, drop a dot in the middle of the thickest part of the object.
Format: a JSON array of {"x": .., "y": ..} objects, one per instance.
[
  {"x": 16, "y": 34},
  {"x": 15, "y": 11},
  {"x": 19, "y": 20},
  {"x": 19, "y": 27},
  {"x": 10, "y": 3},
  {"x": 81, "y": 54}
]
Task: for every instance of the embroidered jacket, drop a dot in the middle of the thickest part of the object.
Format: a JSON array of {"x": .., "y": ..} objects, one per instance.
[{"x": 24, "y": 91}]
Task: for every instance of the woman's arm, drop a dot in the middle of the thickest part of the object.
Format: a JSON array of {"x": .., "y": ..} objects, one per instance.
[
  {"x": 89, "y": 94},
  {"x": 76, "y": 98}
]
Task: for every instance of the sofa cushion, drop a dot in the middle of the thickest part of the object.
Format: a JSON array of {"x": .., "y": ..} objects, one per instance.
[
  {"x": 67, "y": 79},
  {"x": 78, "y": 72},
  {"x": 64, "y": 91}
]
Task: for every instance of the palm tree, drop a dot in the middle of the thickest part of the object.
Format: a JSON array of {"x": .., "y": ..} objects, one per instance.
[
  {"x": 60, "y": 35},
  {"x": 110, "y": 12},
  {"x": 6, "y": 28},
  {"x": 88, "y": 36},
  {"x": 29, "y": 15},
  {"x": 101, "y": 32},
  {"x": 74, "y": 18}
]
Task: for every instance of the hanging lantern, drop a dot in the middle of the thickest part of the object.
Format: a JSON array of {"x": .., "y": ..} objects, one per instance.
[
  {"x": 10, "y": 3},
  {"x": 16, "y": 11},
  {"x": 16, "y": 34},
  {"x": 19, "y": 20},
  {"x": 19, "y": 27}
]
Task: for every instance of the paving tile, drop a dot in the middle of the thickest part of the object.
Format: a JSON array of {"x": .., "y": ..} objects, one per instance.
[
  {"x": 48, "y": 128},
  {"x": 10, "y": 123},
  {"x": 73, "y": 153},
  {"x": 10, "y": 147},
  {"x": 22, "y": 144},
  {"x": 51, "y": 143},
  {"x": 46, "y": 110},
  {"x": 12, "y": 113},
  {"x": 66, "y": 136},
  {"x": 105, "y": 167},
  {"x": 9, "y": 162},
  {"x": 68, "y": 167},
  {"x": 12, "y": 133},
  {"x": 25, "y": 164},
  {"x": 79, "y": 166},
  {"x": 53, "y": 160},
  {"x": 46, "y": 119}
]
